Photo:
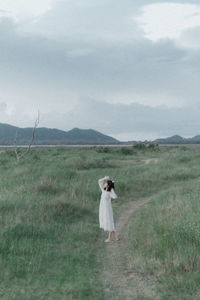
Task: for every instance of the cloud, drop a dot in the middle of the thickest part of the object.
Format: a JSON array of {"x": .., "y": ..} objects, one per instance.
[
  {"x": 169, "y": 20},
  {"x": 40, "y": 69},
  {"x": 82, "y": 56},
  {"x": 3, "y": 107},
  {"x": 190, "y": 39},
  {"x": 123, "y": 121},
  {"x": 129, "y": 122},
  {"x": 96, "y": 69},
  {"x": 20, "y": 9}
]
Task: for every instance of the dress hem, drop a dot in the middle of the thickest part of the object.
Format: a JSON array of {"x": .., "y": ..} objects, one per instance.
[{"x": 108, "y": 229}]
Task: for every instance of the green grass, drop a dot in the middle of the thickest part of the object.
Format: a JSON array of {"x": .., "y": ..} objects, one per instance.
[
  {"x": 49, "y": 220},
  {"x": 165, "y": 235},
  {"x": 48, "y": 228}
]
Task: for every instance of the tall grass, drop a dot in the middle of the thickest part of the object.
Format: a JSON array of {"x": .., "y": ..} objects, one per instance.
[
  {"x": 48, "y": 228},
  {"x": 165, "y": 235},
  {"x": 49, "y": 218}
]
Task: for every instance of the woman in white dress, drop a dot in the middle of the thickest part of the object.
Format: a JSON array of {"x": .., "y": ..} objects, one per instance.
[{"x": 106, "y": 221}]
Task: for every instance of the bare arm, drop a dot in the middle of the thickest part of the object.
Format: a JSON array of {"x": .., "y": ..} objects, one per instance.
[
  {"x": 113, "y": 194},
  {"x": 101, "y": 181}
]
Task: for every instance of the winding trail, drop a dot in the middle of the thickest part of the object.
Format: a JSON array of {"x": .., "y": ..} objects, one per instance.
[
  {"x": 118, "y": 279},
  {"x": 149, "y": 160}
]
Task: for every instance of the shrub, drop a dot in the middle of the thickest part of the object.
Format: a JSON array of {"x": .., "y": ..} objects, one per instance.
[
  {"x": 35, "y": 156},
  {"x": 154, "y": 147},
  {"x": 103, "y": 149},
  {"x": 3, "y": 160},
  {"x": 126, "y": 151},
  {"x": 139, "y": 146},
  {"x": 10, "y": 153},
  {"x": 183, "y": 148}
]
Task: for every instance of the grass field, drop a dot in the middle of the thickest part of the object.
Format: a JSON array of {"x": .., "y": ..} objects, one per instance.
[{"x": 49, "y": 220}]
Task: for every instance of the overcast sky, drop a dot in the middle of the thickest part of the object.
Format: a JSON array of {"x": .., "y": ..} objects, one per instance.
[{"x": 130, "y": 69}]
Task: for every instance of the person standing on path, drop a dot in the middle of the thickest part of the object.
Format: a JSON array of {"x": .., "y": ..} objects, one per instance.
[{"x": 106, "y": 220}]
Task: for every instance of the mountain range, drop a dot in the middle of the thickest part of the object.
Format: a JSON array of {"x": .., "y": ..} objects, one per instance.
[
  {"x": 177, "y": 139},
  {"x": 47, "y": 136}
]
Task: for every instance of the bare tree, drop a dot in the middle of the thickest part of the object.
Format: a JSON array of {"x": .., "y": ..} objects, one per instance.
[{"x": 21, "y": 154}]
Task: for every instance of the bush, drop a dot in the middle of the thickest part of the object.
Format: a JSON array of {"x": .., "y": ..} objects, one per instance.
[
  {"x": 144, "y": 147},
  {"x": 3, "y": 160},
  {"x": 154, "y": 147},
  {"x": 35, "y": 156},
  {"x": 103, "y": 149},
  {"x": 139, "y": 146},
  {"x": 126, "y": 151},
  {"x": 10, "y": 153}
]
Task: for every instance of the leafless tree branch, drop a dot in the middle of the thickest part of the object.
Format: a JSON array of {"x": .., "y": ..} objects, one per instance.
[{"x": 22, "y": 154}]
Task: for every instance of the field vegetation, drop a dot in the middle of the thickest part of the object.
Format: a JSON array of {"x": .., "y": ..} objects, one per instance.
[{"x": 49, "y": 220}]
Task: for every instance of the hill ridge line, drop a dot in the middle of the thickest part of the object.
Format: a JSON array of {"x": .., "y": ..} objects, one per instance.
[{"x": 52, "y": 136}]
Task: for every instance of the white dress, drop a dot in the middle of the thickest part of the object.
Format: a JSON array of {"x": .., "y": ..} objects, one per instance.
[{"x": 106, "y": 221}]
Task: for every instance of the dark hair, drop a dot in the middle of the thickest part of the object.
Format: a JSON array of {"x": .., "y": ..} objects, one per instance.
[{"x": 110, "y": 185}]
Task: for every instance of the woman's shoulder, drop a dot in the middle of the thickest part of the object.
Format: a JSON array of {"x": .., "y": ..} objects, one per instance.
[{"x": 105, "y": 192}]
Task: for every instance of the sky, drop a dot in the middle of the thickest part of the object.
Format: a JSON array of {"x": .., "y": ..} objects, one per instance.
[{"x": 129, "y": 69}]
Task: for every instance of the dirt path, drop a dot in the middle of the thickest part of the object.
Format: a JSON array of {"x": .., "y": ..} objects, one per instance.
[
  {"x": 119, "y": 281},
  {"x": 147, "y": 161}
]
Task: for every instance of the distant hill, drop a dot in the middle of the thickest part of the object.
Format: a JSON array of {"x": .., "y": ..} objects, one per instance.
[
  {"x": 172, "y": 139},
  {"x": 177, "y": 139},
  {"x": 195, "y": 139},
  {"x": 47, "y": 136}
]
